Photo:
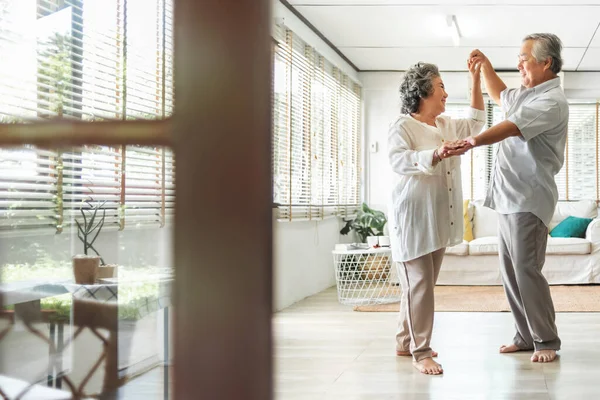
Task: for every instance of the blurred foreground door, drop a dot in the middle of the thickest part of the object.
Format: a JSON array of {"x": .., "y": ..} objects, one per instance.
[{"x": 220, "y": 134}]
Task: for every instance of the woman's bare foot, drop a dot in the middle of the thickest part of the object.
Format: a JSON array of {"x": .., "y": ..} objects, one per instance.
[
  {"x": 428, "y": 367},
  {"x": 544, "y": 356},
  {"x": 408, "y": 353},
  {"x": 510, "y": 348}
]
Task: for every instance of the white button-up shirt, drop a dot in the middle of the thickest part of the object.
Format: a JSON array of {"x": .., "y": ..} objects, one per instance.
[
  {"x": 426, "y": 211},
  {"x": 523, "y": 176}
]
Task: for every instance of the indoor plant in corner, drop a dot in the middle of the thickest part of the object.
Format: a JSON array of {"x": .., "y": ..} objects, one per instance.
[{"x": 88, "y": 268}]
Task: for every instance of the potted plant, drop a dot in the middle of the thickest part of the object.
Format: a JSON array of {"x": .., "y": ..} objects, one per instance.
[
  {"x": 88, "y": 268},
  {"x": 368, "y": 222}
]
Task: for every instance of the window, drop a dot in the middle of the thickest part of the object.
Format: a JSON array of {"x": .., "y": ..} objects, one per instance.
[
  {"x": 578, "y": 179},
  {"x": 316, "y": 133},
  {"x": 89, "y": 60}
]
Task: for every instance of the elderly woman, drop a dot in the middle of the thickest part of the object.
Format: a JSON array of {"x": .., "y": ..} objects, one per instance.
[{"x": 426, "y": 215}]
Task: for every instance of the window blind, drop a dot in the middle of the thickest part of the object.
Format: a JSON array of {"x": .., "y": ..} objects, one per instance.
[
  {"x": 144, "y": 187},
  {"x": 28, "y": 188},
  {"x": 316, "y": 133},
  {"x": 349, "y": 148},
  {"x": 90, "y": 173},
  {"x": 168, "y": 199},
  {"x": 578, "y": 179},
  {"x": 87, "y": 60}
]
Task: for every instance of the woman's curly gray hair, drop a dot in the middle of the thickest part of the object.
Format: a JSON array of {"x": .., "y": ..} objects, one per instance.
[{"x": 416, "y": 85}]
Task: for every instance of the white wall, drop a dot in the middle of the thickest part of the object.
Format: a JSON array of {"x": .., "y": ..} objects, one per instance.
[
  {"x": 302, "y": 259},
  {"x": 382, "y": 107}
]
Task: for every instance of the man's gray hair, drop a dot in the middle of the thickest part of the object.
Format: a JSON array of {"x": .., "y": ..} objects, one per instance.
[
  {"x": 417, "y": 83},
  {"x": 547, "y": 45}
]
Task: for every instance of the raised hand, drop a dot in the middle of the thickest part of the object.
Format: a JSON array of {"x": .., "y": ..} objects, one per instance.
[
  {"x": 474, "y": 67},
  {"x": 478, "y": 60}
]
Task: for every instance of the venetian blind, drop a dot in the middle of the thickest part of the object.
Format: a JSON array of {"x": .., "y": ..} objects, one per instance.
[
  {"x": 28, "y": 188},
  {"x": 316, "y": 133},
  {"x": 87, "y": 60},
  {"x": 578, "y": 177}
]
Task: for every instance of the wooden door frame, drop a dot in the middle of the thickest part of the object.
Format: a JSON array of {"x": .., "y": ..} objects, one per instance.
[{"x": 221, "y": 136}]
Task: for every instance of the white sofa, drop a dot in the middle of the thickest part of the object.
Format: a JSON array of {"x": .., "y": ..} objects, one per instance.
[{"x": 568, "y": 260}]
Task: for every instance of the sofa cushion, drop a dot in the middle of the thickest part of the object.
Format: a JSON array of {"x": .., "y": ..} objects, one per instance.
[
  {"x": 485, "y": 220},
  {"x": 483, "y": 246},
  {"x": 566, "y": 246},
  {"x": 581, "y": 209},
  {"x": 461, "y": 249},
  {"x": 467, "y": 221},
  {"x": 571, "y": 227}
]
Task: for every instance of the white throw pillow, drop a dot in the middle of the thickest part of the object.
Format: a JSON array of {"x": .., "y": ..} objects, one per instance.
[
  {"x": 581, "y": 209},
  {"x": 485, "y": 220}
]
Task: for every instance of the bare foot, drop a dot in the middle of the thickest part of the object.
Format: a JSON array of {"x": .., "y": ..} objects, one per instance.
[
  {"x": 544, "y": 356},
  {"x": 408, "y": 353},
  {"x": 510, "y": 348},
  {"x": 428, "y": 367}
]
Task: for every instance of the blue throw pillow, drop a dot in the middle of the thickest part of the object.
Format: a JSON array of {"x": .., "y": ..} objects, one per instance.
[{"x": 571, "y": 227}]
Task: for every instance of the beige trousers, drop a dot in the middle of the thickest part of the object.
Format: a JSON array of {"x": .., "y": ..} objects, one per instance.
[
  {"x": 522, "y": 248},
  {"x": 415, "y": 322}
]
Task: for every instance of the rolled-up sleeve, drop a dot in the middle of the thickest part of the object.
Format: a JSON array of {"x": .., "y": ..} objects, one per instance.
[
  {"x": 507, "y": 98},
  {"x": 536, "y": 117},
  {"x": 470, "y": 126},
  {"x": 406, "y": 161}
]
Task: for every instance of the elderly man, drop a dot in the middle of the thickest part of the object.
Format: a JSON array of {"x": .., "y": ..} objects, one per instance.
[{"x": 522, "y": 189}]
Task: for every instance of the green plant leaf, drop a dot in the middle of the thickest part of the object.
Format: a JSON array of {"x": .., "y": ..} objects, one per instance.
[{"x": 368, "y": 222}]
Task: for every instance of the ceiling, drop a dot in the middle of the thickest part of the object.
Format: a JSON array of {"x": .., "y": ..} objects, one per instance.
[{"x": 391, "y": 35}]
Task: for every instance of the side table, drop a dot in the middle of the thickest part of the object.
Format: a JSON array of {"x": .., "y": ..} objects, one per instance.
[{"x": 365, "y": 276}]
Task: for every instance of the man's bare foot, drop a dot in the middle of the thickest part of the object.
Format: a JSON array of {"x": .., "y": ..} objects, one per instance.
[
  {"x": 428, "y": 367},
  {"x": 509, "y": 348},
  {"x": 544, "y": 356},
  {"x": 408, "y": 353}
]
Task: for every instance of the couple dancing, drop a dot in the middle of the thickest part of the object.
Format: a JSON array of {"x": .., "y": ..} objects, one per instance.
[{"x": 427, "y": 216}]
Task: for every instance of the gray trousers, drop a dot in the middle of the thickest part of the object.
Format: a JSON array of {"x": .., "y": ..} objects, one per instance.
[
  {"x": 522, "y": 250},
  {"x": 415, "y": 322}
]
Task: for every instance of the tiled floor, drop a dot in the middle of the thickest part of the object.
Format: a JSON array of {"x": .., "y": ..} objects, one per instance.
[{"x": 324, "y": 350}]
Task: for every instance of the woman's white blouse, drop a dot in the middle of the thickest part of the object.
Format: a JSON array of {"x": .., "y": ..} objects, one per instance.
[{"x": 426, "y": 212}]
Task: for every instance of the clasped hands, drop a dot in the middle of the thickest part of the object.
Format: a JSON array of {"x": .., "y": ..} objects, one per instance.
[{"x": 455, "y": 148}]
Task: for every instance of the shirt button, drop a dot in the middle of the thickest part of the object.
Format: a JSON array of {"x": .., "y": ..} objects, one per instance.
[
  {"x": 451, "y": 223},
  {"x": 448, "y": 172},
  {"x": 416, "y": 164},
  {"x": 450, "y": 206},
  {"x": 450, "y": 189}
]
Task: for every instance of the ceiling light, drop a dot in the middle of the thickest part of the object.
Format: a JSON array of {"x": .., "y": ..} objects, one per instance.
[{"x": 453, "y": 29}]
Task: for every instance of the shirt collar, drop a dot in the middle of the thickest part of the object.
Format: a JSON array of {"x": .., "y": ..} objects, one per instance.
[{"x": 544, "y": 87}]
